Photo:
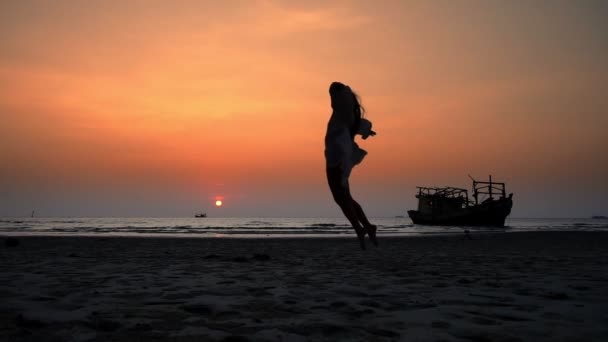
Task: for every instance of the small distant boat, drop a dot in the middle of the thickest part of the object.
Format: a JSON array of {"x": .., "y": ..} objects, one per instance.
[
  {"x": 201, "y": 215},
  {"x": 599, "y": 217},
  {"x": 451, "y": 206}
]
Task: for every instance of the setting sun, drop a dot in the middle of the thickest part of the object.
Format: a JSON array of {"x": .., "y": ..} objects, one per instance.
[{"x": 218, "y": 203}]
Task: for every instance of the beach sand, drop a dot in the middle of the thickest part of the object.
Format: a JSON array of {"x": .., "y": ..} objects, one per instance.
[{"x": 535, "y": 286}]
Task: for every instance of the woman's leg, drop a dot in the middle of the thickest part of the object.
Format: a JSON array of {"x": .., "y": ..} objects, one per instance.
[
  {"x": 344, "y": 200},
  {"x": 361, "y": 215},
  {"x": 370, "y": 228}
]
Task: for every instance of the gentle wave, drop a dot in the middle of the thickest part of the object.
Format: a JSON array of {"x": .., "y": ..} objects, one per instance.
[{"x": 263, "y": 226}]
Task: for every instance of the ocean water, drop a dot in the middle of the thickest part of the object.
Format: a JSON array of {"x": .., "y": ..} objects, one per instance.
[{"x": 263, "y": 226}]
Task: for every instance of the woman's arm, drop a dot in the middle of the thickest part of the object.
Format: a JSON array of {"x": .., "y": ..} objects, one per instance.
[{"x": 365, "y": 129}]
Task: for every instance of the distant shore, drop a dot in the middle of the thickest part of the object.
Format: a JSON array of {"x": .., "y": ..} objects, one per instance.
[{"x": 541, "y": 286}]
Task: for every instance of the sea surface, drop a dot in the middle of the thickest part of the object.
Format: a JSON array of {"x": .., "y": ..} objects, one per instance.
[{"x": 264, "y": 226}]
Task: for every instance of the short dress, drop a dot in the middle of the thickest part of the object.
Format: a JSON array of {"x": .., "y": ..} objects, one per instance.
[{"x": 340, "y": 147}]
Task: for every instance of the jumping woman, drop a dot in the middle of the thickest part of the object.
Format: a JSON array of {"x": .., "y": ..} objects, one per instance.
[{"x": 342, "y": 154}]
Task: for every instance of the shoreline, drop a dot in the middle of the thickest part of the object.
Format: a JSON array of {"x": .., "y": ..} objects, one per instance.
[
  {"x": 473, "y": 232},
  {"x": 541, "y": 286}
]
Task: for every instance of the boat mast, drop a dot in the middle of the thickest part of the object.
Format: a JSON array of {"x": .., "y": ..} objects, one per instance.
[
  {"x": 490, "y": 187},
  {"x": 475, "y": 194}
]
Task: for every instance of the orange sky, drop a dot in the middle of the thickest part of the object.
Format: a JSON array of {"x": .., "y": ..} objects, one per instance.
[{"x": 156, "y": 108}]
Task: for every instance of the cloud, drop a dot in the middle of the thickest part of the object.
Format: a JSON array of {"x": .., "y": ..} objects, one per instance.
[
  {"x": 274, "y": 19},
  {"x": 284, "y": 20}
]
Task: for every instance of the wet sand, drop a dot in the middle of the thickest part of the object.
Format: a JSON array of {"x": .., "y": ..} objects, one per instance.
[{"x": 534, "y": 286}]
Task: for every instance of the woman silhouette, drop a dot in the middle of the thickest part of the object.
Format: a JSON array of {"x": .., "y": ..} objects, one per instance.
[{"x": 342, "y": 154}]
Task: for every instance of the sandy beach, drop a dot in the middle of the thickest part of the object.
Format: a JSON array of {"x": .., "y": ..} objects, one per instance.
[{"x": 545, "y": 286}]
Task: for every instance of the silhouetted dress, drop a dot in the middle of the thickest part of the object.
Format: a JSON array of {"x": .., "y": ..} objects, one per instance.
[{"x": 341, "y": 151}]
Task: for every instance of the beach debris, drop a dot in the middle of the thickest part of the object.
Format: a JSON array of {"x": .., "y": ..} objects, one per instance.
[
  {"x": 383, "y": 332},
  {"x": 11, "y": 242},
  {"x": 556, "y": 295},
  {"x": 440, "y": 324},
  {"x": 464, "y": 281},
  {"x": 101, "y": 324},
  {"x": 338, "y": 304},
  {"x": 255, "y": 257},
  {"x": 142, "y": 326},
  {"x": 24, "y": 322},
  {"x": 261, "y": 257},
  {"x": 200, "y": 309},
  {"x": 235, "y": 338}
]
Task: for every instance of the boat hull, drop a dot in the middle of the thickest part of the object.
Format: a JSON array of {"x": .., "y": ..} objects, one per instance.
[{"x": 491, "y": 213}]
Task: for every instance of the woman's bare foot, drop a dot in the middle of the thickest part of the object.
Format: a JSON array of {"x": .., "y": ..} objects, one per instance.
[{"x": 371, "y": 231}]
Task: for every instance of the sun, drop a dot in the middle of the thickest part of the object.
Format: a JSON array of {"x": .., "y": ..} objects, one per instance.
[{"x": 218, "y": 203}]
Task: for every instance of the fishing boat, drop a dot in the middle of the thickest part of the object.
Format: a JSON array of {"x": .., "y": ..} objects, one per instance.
[
  {"x": 200, "y": 215},
  {"x": 451, "y": 206}
]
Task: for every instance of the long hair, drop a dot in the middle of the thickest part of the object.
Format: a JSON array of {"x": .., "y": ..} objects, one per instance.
[{"x": 359, "y": 113}]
